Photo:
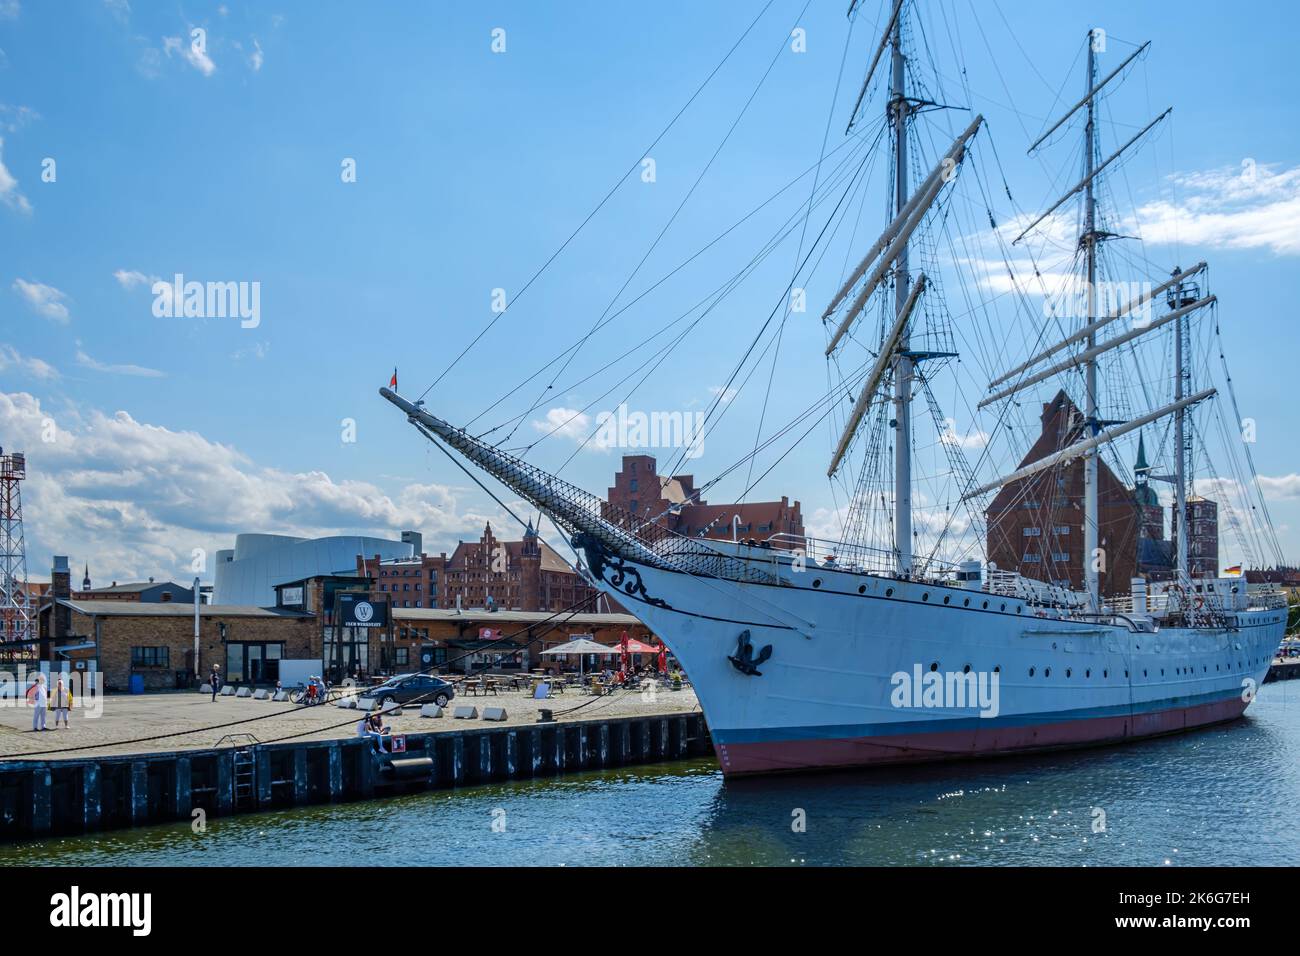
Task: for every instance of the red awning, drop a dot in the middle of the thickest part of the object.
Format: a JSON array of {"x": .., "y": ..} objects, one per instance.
[{"x": 637, "y": 647}]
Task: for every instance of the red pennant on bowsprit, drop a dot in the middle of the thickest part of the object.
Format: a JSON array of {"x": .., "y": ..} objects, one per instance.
[{"x": 393, "y": 382}]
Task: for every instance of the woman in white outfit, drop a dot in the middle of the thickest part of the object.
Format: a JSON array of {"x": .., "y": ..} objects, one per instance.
[{"x": 40, "y": 700}]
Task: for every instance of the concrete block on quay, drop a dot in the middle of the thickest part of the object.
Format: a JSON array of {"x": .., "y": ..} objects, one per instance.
[
  {"x": 261, "y": 694},
  {"x": 494, "y": 713},
  {"x": 430, "y": 710},
  {"x": 228, "y": 691},
  {"x": 465, "y": 713},
  {"x": 244, "y": 692}
]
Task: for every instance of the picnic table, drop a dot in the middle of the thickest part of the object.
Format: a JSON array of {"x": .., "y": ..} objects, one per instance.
[{"x": 484, "y": 685}]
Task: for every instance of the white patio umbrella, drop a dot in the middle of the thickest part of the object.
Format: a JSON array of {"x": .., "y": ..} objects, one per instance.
[{"x": 583, "y": 646}]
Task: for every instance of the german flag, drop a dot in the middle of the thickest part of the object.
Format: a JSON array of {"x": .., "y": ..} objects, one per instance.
[{"x": 1234, "y": 571}]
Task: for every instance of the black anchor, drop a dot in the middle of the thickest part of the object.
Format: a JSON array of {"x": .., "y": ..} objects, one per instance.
[{"x": 744, "y": 660}]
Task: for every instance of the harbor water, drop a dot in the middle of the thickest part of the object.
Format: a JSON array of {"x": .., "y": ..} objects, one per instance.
[{"x": 1221, "y": 796}]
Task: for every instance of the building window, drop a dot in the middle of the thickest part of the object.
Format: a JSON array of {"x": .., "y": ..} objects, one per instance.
[
  {"x": 1032, "y": 532},
  {"x": 401, "y": 656},
  {"x": 1031, "y": 558},
  {"x": 633, "y": 486},
  {"x": 1062, "y": 529},
  {"x": 149, "y": 657}
]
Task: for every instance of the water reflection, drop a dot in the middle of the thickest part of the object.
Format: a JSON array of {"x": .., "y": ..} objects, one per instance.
[{"x": 1216, "y": 797}]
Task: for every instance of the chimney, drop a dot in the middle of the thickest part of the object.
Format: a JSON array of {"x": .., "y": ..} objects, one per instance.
[{"x": 60, "y": 590}]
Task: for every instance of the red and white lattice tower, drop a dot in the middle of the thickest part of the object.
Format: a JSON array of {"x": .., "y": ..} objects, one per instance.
[{"x": 17, "y": 617}]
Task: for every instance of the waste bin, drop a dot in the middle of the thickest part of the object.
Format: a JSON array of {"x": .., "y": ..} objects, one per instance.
[{"x": 137, "y": 683}]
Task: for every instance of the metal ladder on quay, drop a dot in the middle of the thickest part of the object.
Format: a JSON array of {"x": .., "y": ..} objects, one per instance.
[{"x": 243, "y": 779}]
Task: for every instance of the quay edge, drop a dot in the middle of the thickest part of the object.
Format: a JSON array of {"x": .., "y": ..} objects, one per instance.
[{"x": 43, "y": 798}]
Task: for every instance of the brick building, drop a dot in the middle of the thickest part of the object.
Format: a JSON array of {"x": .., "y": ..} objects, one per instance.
[
  {"x": 155, "y": 641},
  {"x": 1202, "y": 536},
  {"x": 675, "y": 504},
  {"x": 151, "y": 591},
  {"x": 1035, "y": 525},
  {"x": 523, "y": 575}
]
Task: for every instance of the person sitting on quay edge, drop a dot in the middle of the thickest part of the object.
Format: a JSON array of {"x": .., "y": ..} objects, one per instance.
[
  {"x": 379, "y": 731},
  {"x": 61, "y": 703}
]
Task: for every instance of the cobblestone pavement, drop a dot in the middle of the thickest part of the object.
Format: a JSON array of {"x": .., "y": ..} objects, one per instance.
[{"x": 194, "y": 717}]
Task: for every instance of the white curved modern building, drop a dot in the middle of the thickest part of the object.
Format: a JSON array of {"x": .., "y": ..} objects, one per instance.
[{"x": 247, "y": 574}]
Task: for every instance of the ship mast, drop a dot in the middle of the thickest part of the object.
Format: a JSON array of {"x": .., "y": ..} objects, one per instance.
[
  {"x": 1091, "y": 505},
  {"x": 899, "y": 110},
  {"x": 1181, "y": 378}
]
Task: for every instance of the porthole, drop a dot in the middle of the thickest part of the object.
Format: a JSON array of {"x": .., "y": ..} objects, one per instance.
[
  {"x": 1088, "y": 672},
  {"x": 966, "y": 669},
  {"x": 997, "y": 669},
  {"x": 889, "y": 592},
  {"x": 925, "y": 596},
  {"x": 946, "y": 599},
  {"x": 862, "y": 589},
  {"x": 817, "y": 582},
  {"x": 1144, "y": 672},
  {"x": 1004, "y": 607},
  {"x": 1106, "y": 673},
  {"x": 966, "y": 602},
  {"x": 1019, "y": 608},
  {"x": 934, "y": 666},
  {"x": 1126, "y": 675},
  {"x": 1047, "y": 672},
  {"x": 1068, "y": 672},
  {"x": 986, "y": 605},
  {"x": 1162, "y": 672},
  {"x": 1031, "y": 672}
]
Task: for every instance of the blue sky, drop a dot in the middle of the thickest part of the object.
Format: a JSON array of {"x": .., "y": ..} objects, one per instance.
[{"x": 224, "y": 164}]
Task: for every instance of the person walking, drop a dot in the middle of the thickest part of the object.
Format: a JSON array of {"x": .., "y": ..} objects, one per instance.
[
  {"x": 40, "y": 701},
  {"x": 61, "y": 704},
  {"x": 214, "y": 679}
]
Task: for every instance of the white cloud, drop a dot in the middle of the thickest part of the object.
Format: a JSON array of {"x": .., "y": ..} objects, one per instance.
[
  {"x": 133, "y": 499},
  {"x": 129, "y": 278},
  {"x": 44, "y": 299},
  {"x": 138, "y": 371},
  {"x": 1283, "y": 486},
  {"x": 14, "y": 118},
  {"x": 565, "y": 422},
  {"x": 968, "y": 442},
  {"x": 1252, "y": 206},
  {"x": 9, "y": 9},
  {"x": 10, "y": 194},
  {"x": 724, "y": 395},
  {"x": 255, "y": 58},
  {"x": 196, "y": 57},
  {"x": 11, "y": 359}
]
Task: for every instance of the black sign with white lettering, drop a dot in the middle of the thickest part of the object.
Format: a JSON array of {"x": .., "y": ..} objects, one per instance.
[{"x": 356, "y": 610}]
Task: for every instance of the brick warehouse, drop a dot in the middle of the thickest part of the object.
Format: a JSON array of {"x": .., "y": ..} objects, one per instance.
[
  {"x": 1035, "y": 525},
  {"x": 524, "y": 575},
  {"x": 156, "y": 640},
  {"x": 675, "y": 503}
]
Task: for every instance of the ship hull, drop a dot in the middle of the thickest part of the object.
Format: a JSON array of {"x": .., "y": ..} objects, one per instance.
[{"x": 850, "y": 652}]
